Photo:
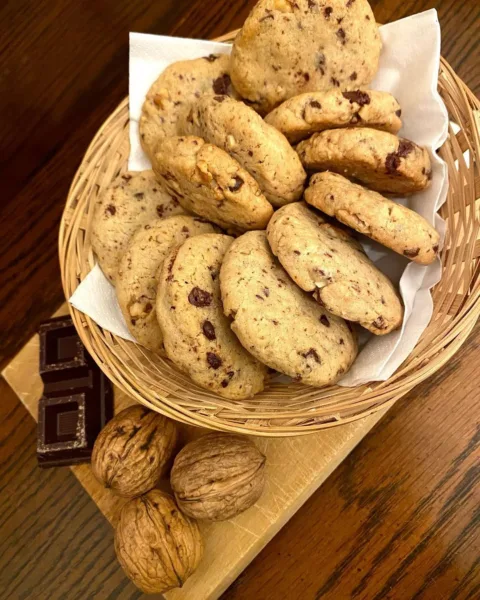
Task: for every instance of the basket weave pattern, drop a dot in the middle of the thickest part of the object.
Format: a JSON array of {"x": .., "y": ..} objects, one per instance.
[{"x": 283, "y": 409}]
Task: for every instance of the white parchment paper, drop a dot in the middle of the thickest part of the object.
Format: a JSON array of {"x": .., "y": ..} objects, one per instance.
[{"x": 408, "y": 69}]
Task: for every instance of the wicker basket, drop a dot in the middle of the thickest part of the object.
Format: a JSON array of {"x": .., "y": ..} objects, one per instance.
[{"x": 282, "y": 409}]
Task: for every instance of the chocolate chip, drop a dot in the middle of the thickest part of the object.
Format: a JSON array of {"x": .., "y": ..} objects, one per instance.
[
  {"x": 315, "y": 104},
  {"x": 311, "y": 4},
  {"x": 392, "y": 162},
  {"x": 213, "y": 360},
  {"x": 218, "y": 99},
  {"x": 353, "y": 76},
  {"x": 335, "y": 82},
  {"x": 341, "y": 35},
  {"x": 185, "y": 229},
  {"x": 221, "y": 84},
  {"x": 250, "y": 153},
  {"x": 160, "y": 210},
  {"x": 238, "y": 182},
  {"x": 225, "y": 382},
  {"x": 110, "y": 209},
  {"x": 357, "y": 96},
  {"x": 209, "y": 330},
  {"x": 320, "y": 61},
  {"x": 379, "y": 323},
  {"x": 199, "y": 297},
  {"x": 404, "y": 148},
  {"x": 435, "y": 248},
  {"x": 327, "y": 11},
  {"x": 324, "y": 321},
  {"x": 212, "y": 57},
  {"x": 297, "y": 252},
  {"x": 259, "y": 297},
  {"x": 398, "y": 112},
  {"x": 349, "y": 3},
  {"x": 127, "y": 177},
  {"x": 293, "y": 4},
  {"x": 139, "y": 196},
  {"x": 312, "y": 353},
  {"x": 412, "y": 252},
  {"x": 266, "y": 291},
  {"x": 341, "y": 342}
]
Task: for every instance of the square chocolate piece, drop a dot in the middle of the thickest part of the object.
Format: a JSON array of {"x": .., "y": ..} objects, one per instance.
[{"x": 77, "y": 399}]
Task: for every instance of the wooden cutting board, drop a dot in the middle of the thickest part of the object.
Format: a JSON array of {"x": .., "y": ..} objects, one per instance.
[{"x": 296, "y": 467}]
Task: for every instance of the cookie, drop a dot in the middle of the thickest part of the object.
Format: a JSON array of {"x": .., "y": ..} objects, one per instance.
[
  {"x": 180, "y": 84},
  {"x": 325, "y": 260},
  {"x": 132, "y": 200},
  {"x": 209, "y": 182},
  {"x": 136, "y": 282},
  {"x": 381, "y": 160},
  {"x": 287, "y": 47},
  {"x": 393, "y": 225},
  {"x": 276, "y": 321},
  {"x": 197, "y": 335},
  {"x": 262, "y": 150},
  {"x": 302, "y": 115}
]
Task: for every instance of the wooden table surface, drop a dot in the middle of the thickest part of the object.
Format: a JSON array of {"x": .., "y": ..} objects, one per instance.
[{"x": 399, "y": 519}]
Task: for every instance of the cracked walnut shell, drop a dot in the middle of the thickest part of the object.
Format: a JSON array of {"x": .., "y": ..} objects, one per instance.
[
  {"x": 132, "y": 450},
  {"x": 218, "y": 476},
  {"x": 157, "y": 546}
]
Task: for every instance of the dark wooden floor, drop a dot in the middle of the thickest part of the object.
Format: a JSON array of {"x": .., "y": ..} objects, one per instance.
[{"x": 398, "y": 520}]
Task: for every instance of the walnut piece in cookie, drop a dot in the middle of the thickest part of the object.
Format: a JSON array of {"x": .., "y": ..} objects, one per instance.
[
  {"x": 279, "y": 323},
  {"x": 132, "y": 200},
  {"x": 380, "y": 160},
  {"x": 287, "y": 47},
  {"x": 209, "y": 182},
  {"x": 136, "y": 283},
  {"x": 301, "y": 116},
  {"x": 261, "y": 150},
  {"x": 325, "y": 260},
  {"x": 177, "y": 87},
  {"x": 392, "y": 224},
  {"x": 197, "y": 334}
]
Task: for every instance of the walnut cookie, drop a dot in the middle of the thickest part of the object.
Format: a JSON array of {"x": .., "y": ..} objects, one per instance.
[
  {"x": 262, "y": 150},
  {"x": 180, "y": 84},
  {"x": 136, "y": 283},
  {"x": 324, "y": 259},
  {"x": 300, "y": 116},
  {"x": 287, "y": 47},
  {"x": 380, "y": 160},
  {"x": 209, "y": 182},
  {"x": 132, "y": 200},
  {"x": 392, "y": 224},
  {"x": 197, "y": 334},
  {"x": 276, "y": 321}
]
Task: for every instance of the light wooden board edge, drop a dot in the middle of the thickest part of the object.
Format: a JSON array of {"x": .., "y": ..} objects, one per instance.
[{"x": 296, "y": 467}]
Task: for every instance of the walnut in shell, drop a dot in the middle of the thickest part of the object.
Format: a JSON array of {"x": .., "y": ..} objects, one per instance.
[
  {"x": 157, "y": 546},
  {"x": 218, "y": 476},
  {"x": 132, "y": 450}
]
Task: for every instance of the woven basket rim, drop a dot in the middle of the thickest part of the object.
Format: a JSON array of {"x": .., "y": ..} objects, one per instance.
[{"x": 119, "y": 359}]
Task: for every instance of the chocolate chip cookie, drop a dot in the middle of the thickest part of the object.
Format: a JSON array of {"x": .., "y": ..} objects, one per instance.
[
  {"x": 287, "y": 47},
  {"x": 134, "y": 199},
  {"x": 392, "y": 224},
  {"x": 262, "y": 150},
  {"x": 276, "y": 321},
  {"x": 325, "y": 260},
  {"x": 209, "y": 182},
  {"x": 197, "y": 334},
  {"x": 172, "y": 93},
  {"x": 300, "y": 116},
  {"x": 136, "y": 282},
  {"x": 384, "y": 162}
]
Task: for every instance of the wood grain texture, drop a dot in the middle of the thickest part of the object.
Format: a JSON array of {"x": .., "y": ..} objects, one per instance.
[{"x": 398, "y": 520}]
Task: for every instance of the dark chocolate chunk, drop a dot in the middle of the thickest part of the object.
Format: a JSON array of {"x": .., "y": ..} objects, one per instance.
[
  {"x": 405, "y": 147},
  {"x": 324, "y": 321},
  {"x": 212, "y": 57},
  {"x": 110, "y": 209},
  {"x": 221, "y": 84},
  {"x": 213, "y": 360},
  {"x": 139, "y": 196},
  {"x": 379, "y": 323},
  {"x": 335, "y": 82},
  {"x": 435, "y": 248},
  {"x": 341, "y": 35},
  {"x": 238, "y": 182},
  {"x": 398, "y": 112},
  {"x": 349, "y": 3},
  {"x": 361, "y": 98},
  {"x": 315, "y": 104},
  {"x": 412, "y": 252},
  {"x": 392, "y": 162},
  {"x": 199, "y": 297},
  {"x": 327, "y": 11},
  {"x": 209, "y": 330},
  {"x": 312, "y": 353}
]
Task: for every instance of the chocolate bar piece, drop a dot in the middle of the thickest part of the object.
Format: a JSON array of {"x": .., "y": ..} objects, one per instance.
[{"x": 77, "y": 400}]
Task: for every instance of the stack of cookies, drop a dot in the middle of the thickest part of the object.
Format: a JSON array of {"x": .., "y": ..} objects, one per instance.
[{"x": 226, "y": 256}]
